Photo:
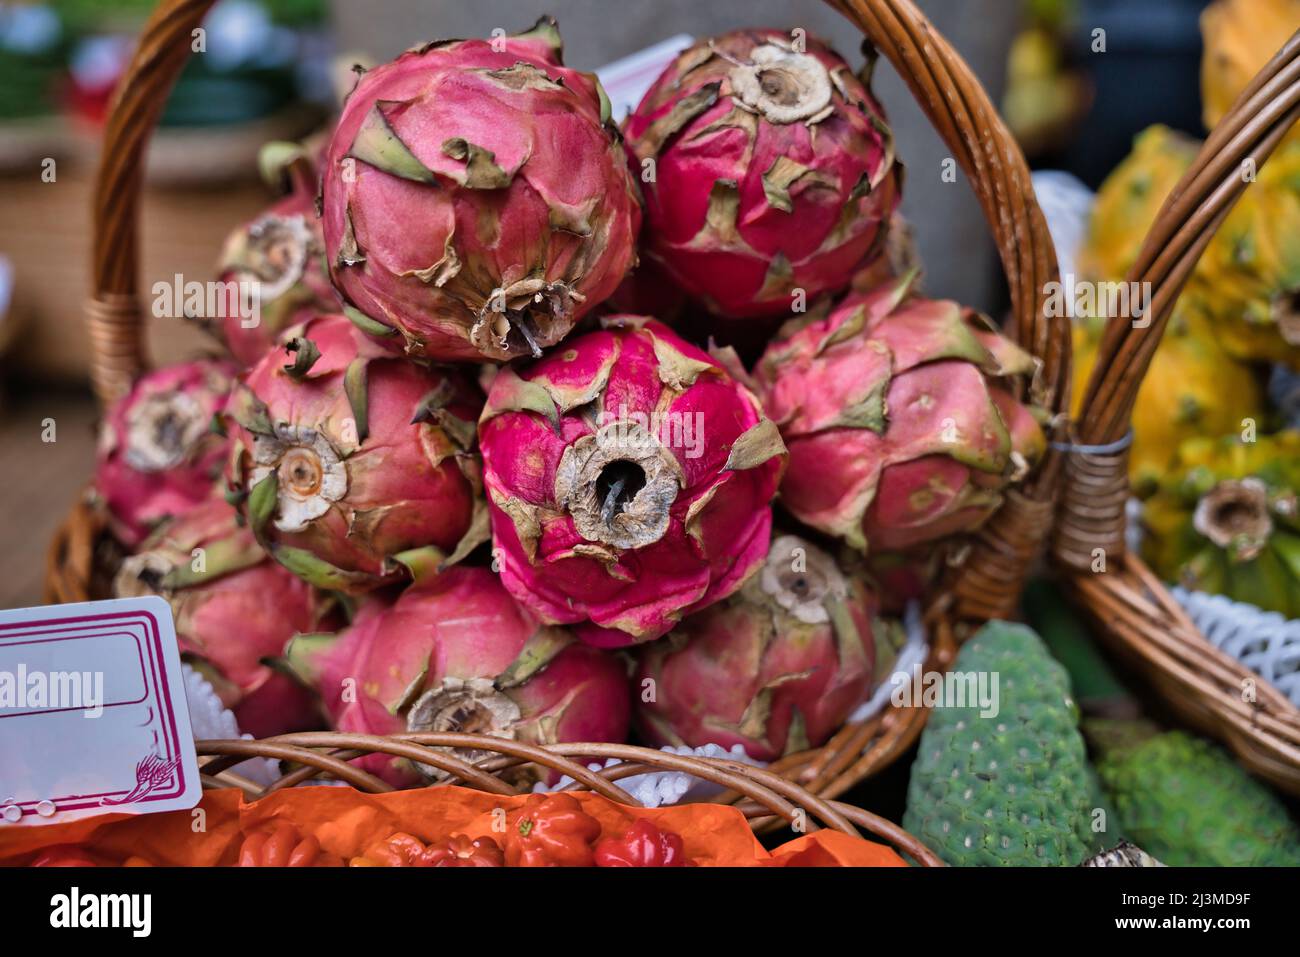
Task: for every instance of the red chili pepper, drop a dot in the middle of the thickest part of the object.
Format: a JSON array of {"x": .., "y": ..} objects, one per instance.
[
  {"x": 644, "y": 845},
  {"x": 283, "y": 846},
  {"x": 460, "y": 851},
  {"x": 551, "y": 831}
]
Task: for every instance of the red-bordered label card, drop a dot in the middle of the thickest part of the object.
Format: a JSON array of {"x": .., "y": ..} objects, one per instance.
[{"x": 93, "y": 716}]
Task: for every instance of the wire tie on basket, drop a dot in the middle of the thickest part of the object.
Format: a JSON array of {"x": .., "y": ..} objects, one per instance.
[{"x": 1111, "y": 448}]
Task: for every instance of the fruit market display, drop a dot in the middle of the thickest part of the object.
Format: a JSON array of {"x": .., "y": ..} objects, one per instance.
[
  {"x": 452, "y": 479},
  {"x": 1182, "y": 394},
  {"x": 1179, "y": 798}
]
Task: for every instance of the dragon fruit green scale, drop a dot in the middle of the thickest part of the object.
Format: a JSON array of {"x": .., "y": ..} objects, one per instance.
[
  {"x": 901, "y": 419},
  {"x": 476, "y": 200},
  {"x": 767, "y": 168},
  {"x": 629, "y": 480},
  {"x": 352, "y": 461}
]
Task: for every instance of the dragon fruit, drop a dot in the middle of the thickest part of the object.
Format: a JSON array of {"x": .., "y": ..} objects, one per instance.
[
  {"x": 233, "y": 608},
  {"x": 629, "y": 481},
  {"x": 900, "y": 418},
  {"x": 767, "y": 168},
  {"x": 158, "y": 454},
  {"x": 777, "y": 668},
  {"x": 349, "y": 457},
  {"x": 282, "y": 252},
  {"x": 476, "y": 199},
  {"x": 455, "y": 652}
]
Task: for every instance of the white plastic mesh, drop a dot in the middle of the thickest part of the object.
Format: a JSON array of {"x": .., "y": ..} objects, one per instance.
[
  {"x": 1263, "y": 641},
  {"x": 1066, "y": 203},
  {"x": 668, "y": 787},
  {"x": 209, "y": 718},
  {"x": 912, "y": 654}
]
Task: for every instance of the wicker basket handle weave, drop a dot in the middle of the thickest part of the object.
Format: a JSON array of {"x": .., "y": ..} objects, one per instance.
[
  {"x": 948, "y": 93},
  {"x": 1096, "y": 487}
]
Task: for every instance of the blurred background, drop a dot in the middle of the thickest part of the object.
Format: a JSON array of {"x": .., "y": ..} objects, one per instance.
[{"x": 1075, "y": 78}]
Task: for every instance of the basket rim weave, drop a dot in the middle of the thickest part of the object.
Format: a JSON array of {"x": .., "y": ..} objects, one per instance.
[
  {"x": 1131, "y": 608},
  {"x": 987, "y": 582},
  {"x": 766, "y": 799}
]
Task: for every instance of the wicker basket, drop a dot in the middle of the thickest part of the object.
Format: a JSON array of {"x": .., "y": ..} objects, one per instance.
[
  {"x": 988, "y": 581},
  {"x": 1133, "y": 611},
  {"x": 766, "y": 799}
]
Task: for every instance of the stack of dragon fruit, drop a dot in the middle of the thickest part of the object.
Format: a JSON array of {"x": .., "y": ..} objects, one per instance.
[{"x": 559, "y": 432}]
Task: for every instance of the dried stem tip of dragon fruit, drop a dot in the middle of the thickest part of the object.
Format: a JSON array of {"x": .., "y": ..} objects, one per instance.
[{"x": 629, "y": 478}]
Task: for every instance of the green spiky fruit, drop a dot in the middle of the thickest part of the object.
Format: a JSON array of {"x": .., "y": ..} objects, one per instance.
[
  {"x": 1225, "y": 520},
  {"x": 1013, "y": 788},
  {"x": 1187, "y": 803}
]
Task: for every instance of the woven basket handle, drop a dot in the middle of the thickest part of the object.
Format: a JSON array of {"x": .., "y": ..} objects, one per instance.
[
  {"x": 989, "y": 581},
  {"x": 114, "y": 317},
  {"x": 1096, "y": 489}
]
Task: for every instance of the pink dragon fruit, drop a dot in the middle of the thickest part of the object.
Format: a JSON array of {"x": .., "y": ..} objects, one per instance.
[
  {"x": 279, "y": 258},
  {"x": 629, "y": 479},
  {"x": 233, "y": 608},
  {"x": 158, "y": 454},
  {"x": 777, "y": 668},
  {"x": 349, "y": 457},
  {"x": 767, "y": 168},
  {"x": 900, "y": 418},
  {"x": 476, "y": 199},
  {"x": 455, "y": 652}
]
